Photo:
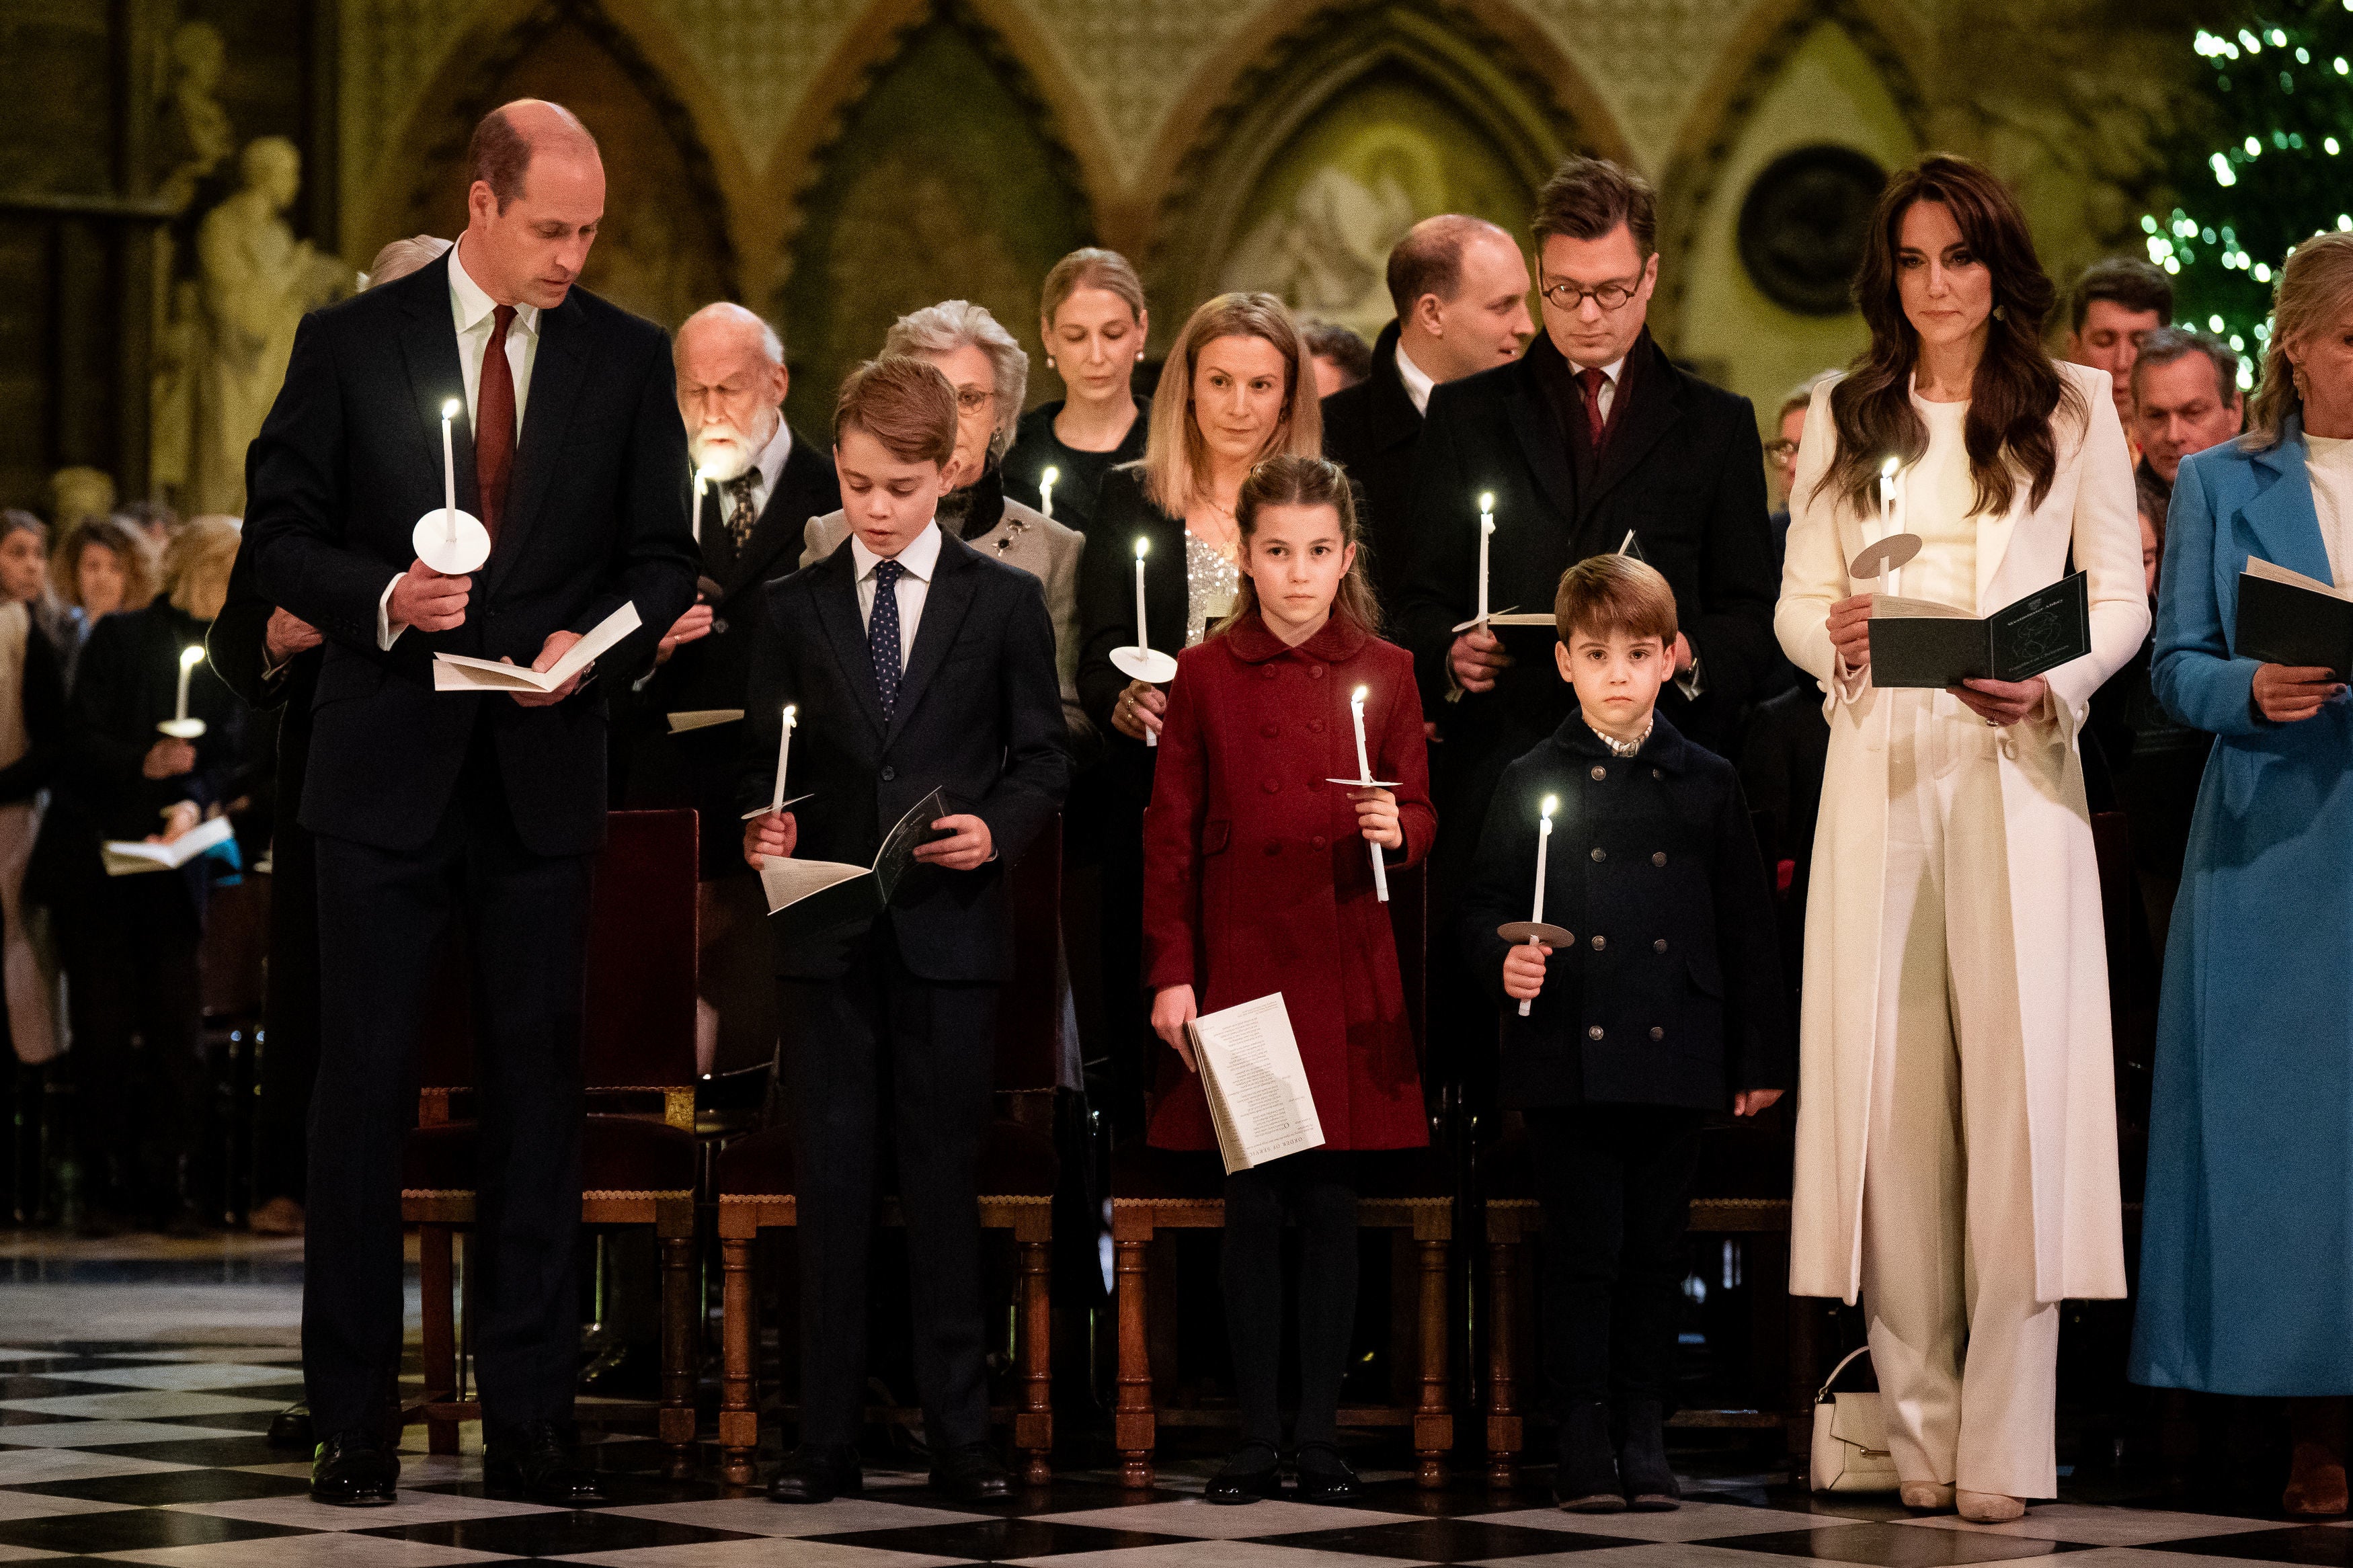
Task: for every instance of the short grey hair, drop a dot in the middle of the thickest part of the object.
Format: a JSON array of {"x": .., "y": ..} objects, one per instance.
[
  {"x": 953, "y": 324},
  {"x": 2162, "y": 345}
]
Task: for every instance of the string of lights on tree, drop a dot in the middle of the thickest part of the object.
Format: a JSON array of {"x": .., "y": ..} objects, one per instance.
[{"x": 2271, "y": 165}]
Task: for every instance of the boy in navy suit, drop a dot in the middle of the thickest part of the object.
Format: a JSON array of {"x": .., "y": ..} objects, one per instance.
[
  {"x": 1665, "y": 1008},
  {"x": 916, "y": 664}
]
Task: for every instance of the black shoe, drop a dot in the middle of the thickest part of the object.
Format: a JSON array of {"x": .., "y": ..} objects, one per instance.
[
  {"x": 539, "y": 1462},
  {"x": 1255, "y": 1471},
  {"x": 970, "y": 1474},
  {"x": 1643, "y": 1469},
  {"x": 818, "y": 1474},
  {"x": 624, "y": 1372},
  {"x": 290, "y": 1429},
  {"x": 1324, "y": 1476},
  {"x": 1587, "y": 1479},
  {"x": 354, "y": 1469}
]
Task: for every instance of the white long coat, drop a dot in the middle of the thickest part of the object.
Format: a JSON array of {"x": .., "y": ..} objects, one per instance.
[{"x": 2054, "y": 888}]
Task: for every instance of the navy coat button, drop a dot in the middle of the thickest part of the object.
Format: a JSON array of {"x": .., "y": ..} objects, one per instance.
[
  {"x": 890, "y": 774},
  {"x": 1594, "y": 1033},
  {"x": 1599, "y": 772},
  {"x": 1657, "y": 1033},
  {"x": 1600, "y": 853},
  {"x": 1599, "y": 941},
  {"x": 1657, "y": 775},
  {"x": 1659, "y": 945},
  {"x": 1658, "y": 857}
]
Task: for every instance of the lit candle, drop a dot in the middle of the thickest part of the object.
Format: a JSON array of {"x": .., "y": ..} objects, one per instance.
[
  {"x": 1143, "y": 640},
  {"x": 190, "y": 657},
  {"x": 448, "y": 476},
  {"x": 702, "y": 481},
  {"x": 1486, "y": 530},
  {"x": 784, "y": 756},
  {"x": 1046, "y": 490},
  {"x": 1365, "y": 775},
  {"x": 1891, "y": 512},
  {"x": 1543, "y": 850}
]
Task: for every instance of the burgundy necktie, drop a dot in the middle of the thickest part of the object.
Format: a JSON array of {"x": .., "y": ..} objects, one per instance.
[
  {"x": 494, "y": 423},
  {"x": 1590, "y": 382}
]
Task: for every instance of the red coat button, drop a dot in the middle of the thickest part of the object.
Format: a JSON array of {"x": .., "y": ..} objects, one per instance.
[
  {"x": 1267, "y": 671},
  {"x": 1320, "y": 841},
  {"x": 1269, "y": 730},
  {"x": 1315, "y": 726},
  {"x": 1270, "y": 785},
  {"x": 1316, "y": 672},
  {"x": 1274, "y": 846}
]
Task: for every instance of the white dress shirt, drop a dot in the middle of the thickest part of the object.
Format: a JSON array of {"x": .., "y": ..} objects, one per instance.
[
  {"x": 1610, "y": 374},
  {"x": 921, "y": 558},
  {"x": 1416, "y": 381},
  {"x": 766, "y": 469},
  {"x": 473, "y": 312}
]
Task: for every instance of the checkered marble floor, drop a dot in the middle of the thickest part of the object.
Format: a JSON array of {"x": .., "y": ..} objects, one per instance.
[{"x": 156, "y": 1455}]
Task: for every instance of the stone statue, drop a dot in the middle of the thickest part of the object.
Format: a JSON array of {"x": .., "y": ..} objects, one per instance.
[
  {"x": 76, "y": 493},
  {"x": 197, "y": 135},
  {"x": 256, "y": 282}
]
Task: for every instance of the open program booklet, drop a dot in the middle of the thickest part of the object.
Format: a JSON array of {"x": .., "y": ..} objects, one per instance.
[
  {"x": 2287, "y": 617},
  {"x": 806, "y": 897},
  {"x": 1923, "y": 643},
  {"x": 128, "y": 856},
  {"x": 457, "y": 672},
  {"x": 1257, "y": 1087}
]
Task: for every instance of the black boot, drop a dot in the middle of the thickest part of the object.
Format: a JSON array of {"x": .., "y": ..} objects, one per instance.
[
  {"x": 1642, "y": 1467},
  {"x": 1587, "y": 1479}
]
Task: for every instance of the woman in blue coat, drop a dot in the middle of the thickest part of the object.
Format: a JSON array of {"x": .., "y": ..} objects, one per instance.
[{"x": 2247, "y": 1250}]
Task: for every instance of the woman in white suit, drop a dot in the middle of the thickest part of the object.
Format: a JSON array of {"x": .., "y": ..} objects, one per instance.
[{"x": 1956, "y": 1157}]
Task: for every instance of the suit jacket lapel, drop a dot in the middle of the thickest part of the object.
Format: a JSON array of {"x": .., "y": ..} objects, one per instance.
[
  {"x": 945, "y": 604},
  {"x": 835, "y": 588},
  {"x": 1394, "y": 419},
  {"x": 1538, "y": 434},
  {"x": 428, "y": 346},
  {"x": 557, "y": 372},
  {"x": 1653, "y": 407}
]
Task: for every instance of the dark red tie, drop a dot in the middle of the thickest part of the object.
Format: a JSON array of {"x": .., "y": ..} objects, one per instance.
[
  {"x": 1596, "y": 424},
  {"x": 494, "y": 423}
]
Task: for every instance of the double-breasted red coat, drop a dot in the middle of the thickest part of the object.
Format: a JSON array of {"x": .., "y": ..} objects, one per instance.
[{"x": 1257, "y": 878}]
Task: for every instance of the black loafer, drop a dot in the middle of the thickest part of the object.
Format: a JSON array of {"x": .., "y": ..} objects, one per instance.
[
  {"x": 970, "y": 1474},
  {"x": 290, "y": 1429},
  {"x": 818, "y": 1474},
  {"x": 539, "y": 1462},
  {"x": 354, "y": 1469},
  {"x": 1324, "y": 1476},
  {"x": 1253, "y": 1472}
]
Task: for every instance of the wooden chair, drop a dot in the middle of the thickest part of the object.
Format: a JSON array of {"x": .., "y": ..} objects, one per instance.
[
  {"x": 1409, "y": 1196},
  {"x": 1016, "y": 1173},
  {"x": 1743, "y": 1187},
  {"x": 636, "y": 1147},
  {"x": 231, "y": 957}
]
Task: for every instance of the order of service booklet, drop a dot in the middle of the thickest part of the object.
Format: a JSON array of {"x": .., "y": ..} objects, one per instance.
[
  {"x": 130, "y": 856},
  {"x": 2287, "y": 617},
  {"x": 1257, "y": 1087},
  {"x": 1921, "y": 643},
  {"x": 809, "y": 898},
  {"x": 459, "y": 672}
]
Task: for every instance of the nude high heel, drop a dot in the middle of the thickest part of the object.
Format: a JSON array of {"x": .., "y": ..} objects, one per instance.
[
  {"x": 1933, "y": 1497},
  {"x": 1990, "y": 1507}
]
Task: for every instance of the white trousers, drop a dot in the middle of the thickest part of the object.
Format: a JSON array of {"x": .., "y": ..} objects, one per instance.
[{"x": 1966, "y": 1357}]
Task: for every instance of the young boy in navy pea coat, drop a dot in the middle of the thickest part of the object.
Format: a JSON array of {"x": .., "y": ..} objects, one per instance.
[{"x": 1664, "y": 1008}]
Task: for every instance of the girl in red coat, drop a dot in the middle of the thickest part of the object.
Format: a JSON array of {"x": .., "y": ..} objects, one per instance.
[{"x": 1256, "y": 880}]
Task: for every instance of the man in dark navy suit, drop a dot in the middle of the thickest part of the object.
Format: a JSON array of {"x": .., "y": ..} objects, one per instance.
[
  {"x": 914, "y": 663},
  {"x": 488, "y": 808}
]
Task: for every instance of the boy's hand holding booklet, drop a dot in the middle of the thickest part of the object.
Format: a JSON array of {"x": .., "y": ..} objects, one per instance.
[
  {"x": 808, "y": 898},
  {"x": 1260, "y": 1101}
]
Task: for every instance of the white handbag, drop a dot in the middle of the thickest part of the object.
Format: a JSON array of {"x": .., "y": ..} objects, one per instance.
[{"x": 1850, "y": 1450}]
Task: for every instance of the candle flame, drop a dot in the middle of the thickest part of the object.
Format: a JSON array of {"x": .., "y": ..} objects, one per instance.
[
  {"x": 1486, "y": 501},
  {"x": 705, "y": 476},
  {"x": 1362, "y": 692},
  {"x": 449, "y": 409},
  {"x": 1887, "y": 469},
  {"x": 790, "y": 721},
  {"x": 192, "y": 655},
  {"x": 1551, "y": 804},
  {"x": 1143, "y": 547},
  {"x": 1050, "y": 475}
]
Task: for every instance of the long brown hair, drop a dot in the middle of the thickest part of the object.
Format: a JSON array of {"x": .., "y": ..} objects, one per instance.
[
  {"x": 1174, "y": 453},
  {"x": 2017, "y": 390},
  {"x": 1291, "y": 480},
  {"x": 2314, "y": 288},
  {"x": 131, "y": 552}
]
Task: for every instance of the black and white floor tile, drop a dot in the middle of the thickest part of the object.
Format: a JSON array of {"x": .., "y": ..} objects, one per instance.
[{"x": 156, "y": 1453}]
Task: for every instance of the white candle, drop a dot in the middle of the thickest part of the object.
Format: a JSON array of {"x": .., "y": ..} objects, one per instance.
[
  {"x": 694, "y": 513},
  {"x": 449, "y": 475},
  {"x": 1891, "y": 513},
  {"x": 784, "y": 756},
  {"x": 1046, "y": 490},
  {"x": 1364, "y": 774},
  {"x": 190, "y": 657},
  {"x": 1142, "y": 639},
  {"x": 1486, "y": 529},
  {"x": 1543, "y": 850}
]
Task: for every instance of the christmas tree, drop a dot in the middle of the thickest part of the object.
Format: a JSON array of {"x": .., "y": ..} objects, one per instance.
[{"x": 2266, "y": 165}]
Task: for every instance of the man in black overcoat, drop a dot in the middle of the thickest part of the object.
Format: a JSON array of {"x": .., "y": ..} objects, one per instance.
[{"x": 484, "y": 808}]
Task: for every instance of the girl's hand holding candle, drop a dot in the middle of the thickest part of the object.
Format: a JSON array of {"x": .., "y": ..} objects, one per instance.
[{"x": 1376, "y": 817}]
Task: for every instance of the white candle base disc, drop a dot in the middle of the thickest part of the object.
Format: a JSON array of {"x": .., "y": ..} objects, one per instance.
[
  {"x": 767, "y": 810},
  {"x": 1892, "y": 553},
  {"x": 1148, "y": 665},
  {"x": 1482, "y": 620},
  {"x": 450, "y": 556},
  {"x": 1366, "y": 784},
  {"x": 1517, "y": 931},
  {"x": 182, "y": 728}
]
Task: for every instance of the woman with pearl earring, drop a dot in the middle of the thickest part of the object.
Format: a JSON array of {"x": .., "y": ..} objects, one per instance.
[{"x": 1093, "y": 321}]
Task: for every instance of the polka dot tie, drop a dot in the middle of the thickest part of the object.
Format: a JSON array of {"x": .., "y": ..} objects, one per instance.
[{"x": 882, "y": 633}]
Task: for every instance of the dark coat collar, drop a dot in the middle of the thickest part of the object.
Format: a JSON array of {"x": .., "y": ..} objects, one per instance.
[
  {"x": 1665, "y": 747},
  {"x": 1253, "y": 643},
  {"x": 1390, "y": 416}
]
